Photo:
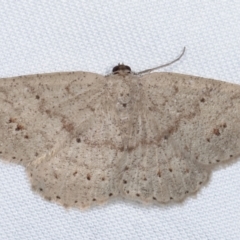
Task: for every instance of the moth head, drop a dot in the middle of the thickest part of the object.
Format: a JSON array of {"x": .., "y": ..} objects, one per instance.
[{"x": 121, "y": 70}]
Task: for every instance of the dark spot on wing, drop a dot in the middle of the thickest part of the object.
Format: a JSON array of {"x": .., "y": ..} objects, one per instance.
[
  {"x": 67, "y": 125},
  {"x": 19, "y": 127},
  {"x": 48, "y": 111},
  {"x": 216, "y": 131},
  {"x": 12, "y": 120}
]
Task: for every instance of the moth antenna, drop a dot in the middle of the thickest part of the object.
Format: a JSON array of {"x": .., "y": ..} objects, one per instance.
[{"x": 164, "y": 65}]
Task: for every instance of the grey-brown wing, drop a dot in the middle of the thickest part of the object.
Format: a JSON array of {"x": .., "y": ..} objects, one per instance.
[
  {"x": 202, "y": 115},
  {"x": 61, "y": 127},
  {"x": 37, "y": 112},
  {"x": 186, "y": 124}
]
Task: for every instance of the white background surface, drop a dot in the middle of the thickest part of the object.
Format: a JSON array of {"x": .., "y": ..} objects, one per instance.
[{"x": 50, "y": 36}]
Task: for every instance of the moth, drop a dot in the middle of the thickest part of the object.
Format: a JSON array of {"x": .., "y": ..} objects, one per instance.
[{"x": 85, "y": 138}]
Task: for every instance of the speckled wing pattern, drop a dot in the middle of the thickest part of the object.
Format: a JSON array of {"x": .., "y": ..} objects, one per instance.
[{"x": 85, "y": 138}]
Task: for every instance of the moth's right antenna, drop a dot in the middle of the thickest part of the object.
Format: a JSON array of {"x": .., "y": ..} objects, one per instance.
[{"x": 167, "y": 64}]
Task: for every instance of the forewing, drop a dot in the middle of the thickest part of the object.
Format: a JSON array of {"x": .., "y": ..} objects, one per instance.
[
  {"x": 201, "y": 115},
  {"x": 39, "y": 112}
]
